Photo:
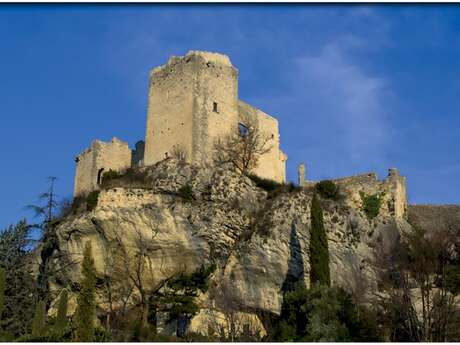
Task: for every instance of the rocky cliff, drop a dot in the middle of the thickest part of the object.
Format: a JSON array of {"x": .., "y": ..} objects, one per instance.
[{"x": 258, "y": 240}]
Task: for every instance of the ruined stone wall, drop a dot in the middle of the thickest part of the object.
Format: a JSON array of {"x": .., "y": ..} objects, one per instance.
[
  {"x": 127, "y": 198},
  {"x": 392, "y": 189},
  {"x": 99, "y": 158},
  {"x": 271, "y": 165}
]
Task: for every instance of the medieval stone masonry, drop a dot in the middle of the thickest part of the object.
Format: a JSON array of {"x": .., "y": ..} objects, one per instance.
[{"x": 192, "y": 101}]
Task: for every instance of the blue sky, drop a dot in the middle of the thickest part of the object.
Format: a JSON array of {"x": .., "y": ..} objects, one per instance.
[{"x": 356, "y": 88}]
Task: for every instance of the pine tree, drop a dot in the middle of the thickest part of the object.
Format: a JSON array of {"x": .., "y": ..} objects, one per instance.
[
  {"x": 319, "y": 252},
  {"x": 38, "y": 323},
  {"x": 19, "y": 294},
  {"x": 61, "y": 318},
  {"x": 2, "y": 290},
  {"x": 86, "y": 307}
]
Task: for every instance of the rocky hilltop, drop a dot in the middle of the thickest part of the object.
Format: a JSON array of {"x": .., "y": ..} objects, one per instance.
[{"x": 181, "y": 216}]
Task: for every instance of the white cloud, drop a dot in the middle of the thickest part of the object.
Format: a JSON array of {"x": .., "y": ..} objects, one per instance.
[
  {"x": 335, "y": 112},
  {"x": 354, "y": 99}
]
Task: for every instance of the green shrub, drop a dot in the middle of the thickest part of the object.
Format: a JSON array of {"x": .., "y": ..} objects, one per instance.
[
  {"x": 139, "y": 332},
  {"x": 101, "y": 335},
  {"x": 91, "y": 200},
  {"x": 371, "y": 204},
  {"x": 324, "y": 313},
  {"x": 110, "y": 175},
  {"x": 327, "y": 189},
  {"x": 186, "y": 192},
  {"x": 273, "y": 188},
  {"x": 453, "y": 279},
  {"x": 6, "y": 336},
  {"x": 62, "y": 321},
  {"x": 131, "y": 178},
  {"x": 195, "y": 337},
  {"x": 265, "y": 183},
  {"x": 2, "y": 290},
  {"x": 51, "y": 335},
  {"x": 38, "y": 323}
]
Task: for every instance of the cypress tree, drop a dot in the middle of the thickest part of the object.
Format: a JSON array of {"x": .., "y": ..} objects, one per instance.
[
  {"x": 86, "y": 307},
  {"x": 2, "y": 290},
  {"x": 61, "y": 318},
  {"x": 319, "y": 252},
  {"x": 38, "y": 323}
]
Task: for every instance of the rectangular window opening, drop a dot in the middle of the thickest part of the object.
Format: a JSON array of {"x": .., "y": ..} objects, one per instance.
[
  {"x": 214, "y": 107},
  {"x": 243, "y": 130}
]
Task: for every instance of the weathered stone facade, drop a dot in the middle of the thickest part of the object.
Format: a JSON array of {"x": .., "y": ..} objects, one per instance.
[
  {"x": 99, "y": 158},
  {"x": 192, "y": 101}
]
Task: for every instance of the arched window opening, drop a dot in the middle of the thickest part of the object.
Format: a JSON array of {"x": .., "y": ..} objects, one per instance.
[{"x": 99, "y": 176}]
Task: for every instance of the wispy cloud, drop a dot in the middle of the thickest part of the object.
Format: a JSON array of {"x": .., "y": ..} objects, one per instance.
[
  {"x": 335, "y": 111},
  {"x": 352, "y": 101}
]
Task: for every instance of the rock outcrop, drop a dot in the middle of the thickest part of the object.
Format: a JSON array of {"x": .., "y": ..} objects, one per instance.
[{"x": 259, "y": 242}]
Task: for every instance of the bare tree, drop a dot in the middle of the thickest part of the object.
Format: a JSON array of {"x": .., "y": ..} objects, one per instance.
[
  {"x": 137, "y": 280},
  {"x": 244, "y": 148},
  {"x": 179, "y": 153},
  {"x": 116, "y": 291},
  {"x": 226, "y": 315},
  {"x": 417, "y": 298}
]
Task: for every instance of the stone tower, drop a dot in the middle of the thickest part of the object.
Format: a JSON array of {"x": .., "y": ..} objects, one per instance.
[{"x": 192, "y": 100}]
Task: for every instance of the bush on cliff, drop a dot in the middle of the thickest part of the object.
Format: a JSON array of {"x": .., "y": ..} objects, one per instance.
[
  {"x": 272, "y": 187},
  {"x": 371, "y": 204},
  {"x": 131, "y": 178},
  {"x": 91, "y": 200},
  {"x": 327, "y": 189},
  {"x": 186, "y": 193}
]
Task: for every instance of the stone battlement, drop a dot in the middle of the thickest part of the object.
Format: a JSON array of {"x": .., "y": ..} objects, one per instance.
[{"x": 206, "y": 57}]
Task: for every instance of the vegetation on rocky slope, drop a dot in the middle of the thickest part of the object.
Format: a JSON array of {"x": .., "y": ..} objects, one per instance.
[{"x": 232, "y": 238}]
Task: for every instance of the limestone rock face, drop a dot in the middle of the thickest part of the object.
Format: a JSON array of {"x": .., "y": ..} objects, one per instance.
[{"x": 260, "y": 244}]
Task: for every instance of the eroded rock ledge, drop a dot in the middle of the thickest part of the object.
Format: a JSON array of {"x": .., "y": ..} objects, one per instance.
[{"x": 260, "y": 244}]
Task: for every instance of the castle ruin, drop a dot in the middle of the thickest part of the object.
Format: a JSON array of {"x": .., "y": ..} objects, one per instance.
[{"x": 192, "y": 102}]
